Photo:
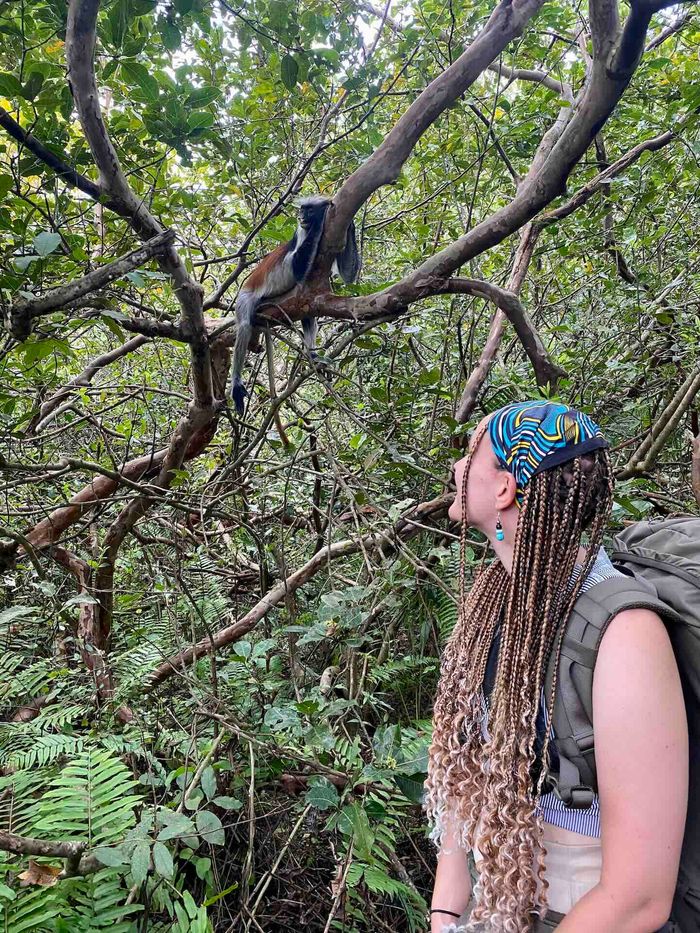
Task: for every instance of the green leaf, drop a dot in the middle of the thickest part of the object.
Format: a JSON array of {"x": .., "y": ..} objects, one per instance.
[
  {"x": 23, "y": 262},
  {"x": 177, "y": 824},
  {"x": 134, "y": 73},
  {"x": 32, "y": 85},
  {"x": 170, "y": 34},
  {"x": 136, "y": 278},
  {"x": 7, "y": 893},
  {"x": 208, "y": 782},
  {"x": 411, "y": 786},
  {"x": 16, "y": 612},
  {"x": 141, "y": 860},
  {"x": 6, "y": 184},
  {"x": 10, "y": 86},
  {"x": 190, "y": 906},
  {"x": 118, "y": 20},
  {"x": 200, "y": 120},
  {"x": 163, "y": 860},
  {"x": 227, "y": 803},
  {"x": 202, "y": 867},
  {"x": 110, "y": 855},
  {"x": 322, "y": 794},
  {"x": 46, "y": 242},
  {"x": 210, "y": 828},
  {"x": 202, "y": 96},
  {"x": 289, "y": 71}
]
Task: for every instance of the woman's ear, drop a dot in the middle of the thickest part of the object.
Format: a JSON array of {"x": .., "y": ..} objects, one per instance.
[{"x": 506, "y": 489}]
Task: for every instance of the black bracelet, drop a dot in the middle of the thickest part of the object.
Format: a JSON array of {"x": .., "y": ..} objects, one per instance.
[{"x": 436, "y": 910}]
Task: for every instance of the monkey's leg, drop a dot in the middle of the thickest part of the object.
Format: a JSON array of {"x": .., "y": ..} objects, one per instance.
[{"x": 309, "y": 326}]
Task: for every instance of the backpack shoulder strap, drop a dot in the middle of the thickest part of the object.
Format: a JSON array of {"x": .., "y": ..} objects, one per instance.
[{"x": 572, "y": 717}]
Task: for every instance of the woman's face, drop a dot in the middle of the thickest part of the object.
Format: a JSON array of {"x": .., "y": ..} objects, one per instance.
[{"x": 489, "y": 488}]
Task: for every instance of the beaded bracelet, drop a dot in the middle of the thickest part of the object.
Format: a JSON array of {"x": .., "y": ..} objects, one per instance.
[{"x": 437, "y": 910}]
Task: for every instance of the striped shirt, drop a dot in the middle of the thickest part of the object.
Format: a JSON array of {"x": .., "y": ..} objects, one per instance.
[{"x": 552, "y": 808}]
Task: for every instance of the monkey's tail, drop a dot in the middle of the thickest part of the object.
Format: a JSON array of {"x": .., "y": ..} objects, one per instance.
[
  {"x": 246, "y": 303},
  {"x": 348, "y": 263}
]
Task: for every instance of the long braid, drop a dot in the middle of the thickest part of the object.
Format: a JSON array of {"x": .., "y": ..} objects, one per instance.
[{"x": 483, "y": 785}]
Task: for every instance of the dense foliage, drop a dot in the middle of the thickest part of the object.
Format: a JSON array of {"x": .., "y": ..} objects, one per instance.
[{"x": 275, "y": 784}]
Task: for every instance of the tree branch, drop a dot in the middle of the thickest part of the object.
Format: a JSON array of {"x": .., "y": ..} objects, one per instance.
[
  {"x": 383, "y": 167},
  {"x": 59, "y": 165},
  {"x": 546, "y": 370},
  {"x": 646, "y": 454},
  {"x": 80, "y": 54},
  {"x": 405, "y": 527},
  {"x": 479, "y": 375},
  {"x": 531, "y": 74},
  {"x": 24, "y": 312},
  {"x": 612, "y": 171},
  {"x": 668, "y": 31}
]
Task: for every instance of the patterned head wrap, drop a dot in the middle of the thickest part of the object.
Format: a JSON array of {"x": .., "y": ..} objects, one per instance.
[{"x": 529, "y": 437}]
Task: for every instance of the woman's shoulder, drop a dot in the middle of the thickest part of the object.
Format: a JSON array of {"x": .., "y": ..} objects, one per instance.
[{"x": 634, "y": 636}]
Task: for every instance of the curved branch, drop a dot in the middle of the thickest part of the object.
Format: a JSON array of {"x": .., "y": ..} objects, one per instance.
[
  {"x": 405, "y": 527},
  {"x": 80, "y": 53},
  {"x": 546, "y": 370},
  {"x": 531, "y": 74},
  {"x": 505, "y": 23}
]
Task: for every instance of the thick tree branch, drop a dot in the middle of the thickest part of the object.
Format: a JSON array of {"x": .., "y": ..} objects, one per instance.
[
  {"x": 546, "y": 370},
  {"x": 80, "y": 54},
  {"x": 506, "y": 22},
  {"x": 76, "y": 862},
  {"x": 54, "y": 162},
  {"x": 25, "y": 845},
  {"x": 648, "y": 451},
  {"x": 24, "y": 312},
  {"x": 406, "y": 527}
]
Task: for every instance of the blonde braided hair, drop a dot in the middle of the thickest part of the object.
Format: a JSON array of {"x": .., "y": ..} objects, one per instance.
[{"x": 484, "y": 785}]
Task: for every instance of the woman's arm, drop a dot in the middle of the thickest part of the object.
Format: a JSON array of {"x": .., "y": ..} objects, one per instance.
[
  {"x": 641, "y": 749},
  {"x": 453, "y": 887}
]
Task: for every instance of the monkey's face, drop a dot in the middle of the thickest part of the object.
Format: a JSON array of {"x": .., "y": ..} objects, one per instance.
[{"x": 311, "y": 215}]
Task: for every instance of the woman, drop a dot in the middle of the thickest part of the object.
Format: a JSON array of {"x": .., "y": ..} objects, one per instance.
[{"x": 536, "y": 476}]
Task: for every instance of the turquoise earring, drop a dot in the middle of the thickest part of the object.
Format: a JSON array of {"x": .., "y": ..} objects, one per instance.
[{"x": 499, "y": 529}]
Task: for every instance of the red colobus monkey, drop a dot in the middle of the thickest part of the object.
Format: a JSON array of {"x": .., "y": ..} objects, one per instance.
[{"x": 280, "y": 271}]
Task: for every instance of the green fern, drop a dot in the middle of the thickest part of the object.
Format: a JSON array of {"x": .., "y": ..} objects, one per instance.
[{"x": 90, "y": 800}]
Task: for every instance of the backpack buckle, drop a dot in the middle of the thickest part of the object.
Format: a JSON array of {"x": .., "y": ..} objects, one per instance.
[{"x": 579, "y": 797}]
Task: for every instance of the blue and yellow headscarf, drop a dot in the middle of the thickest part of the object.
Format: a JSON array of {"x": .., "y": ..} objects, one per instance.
[{"x": 529, "y": 437}]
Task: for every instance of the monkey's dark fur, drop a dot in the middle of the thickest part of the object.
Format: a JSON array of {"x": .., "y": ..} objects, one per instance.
[{"x": 278, "y": 272}]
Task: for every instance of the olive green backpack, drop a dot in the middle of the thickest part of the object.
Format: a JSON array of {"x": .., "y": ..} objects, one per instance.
[{"x": 661, "y": 561}]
